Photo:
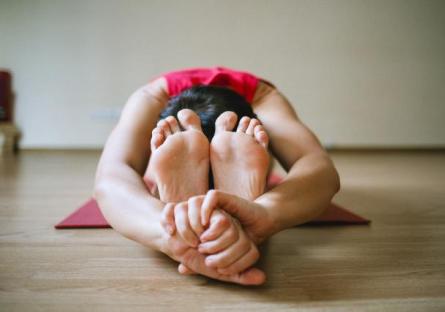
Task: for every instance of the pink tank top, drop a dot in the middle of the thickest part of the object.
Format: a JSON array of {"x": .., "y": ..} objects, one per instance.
[{"x": 243, "y": 83}]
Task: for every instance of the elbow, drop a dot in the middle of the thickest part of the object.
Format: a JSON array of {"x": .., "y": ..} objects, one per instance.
[
  {"x": 332, "y": 178},
  {"x": 336, "y": 184},
  {"x": 331, "y": 187},
  {"x": 101, "y": 189},
  {"x": 103, "y": 183}
]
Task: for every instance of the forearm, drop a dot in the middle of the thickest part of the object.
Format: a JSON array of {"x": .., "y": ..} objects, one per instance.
[
  {"x": 304, "y": 194},
  {"x": 129, "y": 207}
]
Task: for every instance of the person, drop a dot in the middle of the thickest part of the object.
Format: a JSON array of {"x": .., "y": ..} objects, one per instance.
[
  {"x": 213, "y": 115},
  {"x": 218, "y": 176}
]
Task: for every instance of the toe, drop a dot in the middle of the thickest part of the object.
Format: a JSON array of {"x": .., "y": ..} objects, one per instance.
[
  {"x": 165, "y": 127},
  {"x": 252, "y": 276},
  {"x": 173, "y": 123},
  {"x": 243, "y": 124},
  {"x": 253, "y": 123},
  {"x": 189, "y": 119},
  {"x": 157, "y": 138},
  {"x": 261, "y": 136},
  {"x": 226, "y": 121},
  {"x": 185, "y": 270}
]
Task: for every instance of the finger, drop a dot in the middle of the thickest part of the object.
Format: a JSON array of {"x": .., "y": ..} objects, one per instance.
[
  {"x": 183, "y": 225},
  {"x": 227, "y": 238},
  {"x": 242, "y": 263},
  {"x": 184, "y": 270},
  {"x": 231, "y": 254},
  {"x": 219, "y": 223},
  {"x": 168, "y": 218},
  {"x": 209, "y": 204},
  {"x": 245, "y": 211},
  {"x": 194, "y": 214}
]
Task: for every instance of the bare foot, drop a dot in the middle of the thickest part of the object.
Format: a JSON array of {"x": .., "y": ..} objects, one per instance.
[
  {"x": 239, "y": 160},
  {"x": 179, "y": 163}
]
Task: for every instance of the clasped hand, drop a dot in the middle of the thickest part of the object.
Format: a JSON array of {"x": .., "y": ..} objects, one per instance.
[{"x": 202, "y": 232}]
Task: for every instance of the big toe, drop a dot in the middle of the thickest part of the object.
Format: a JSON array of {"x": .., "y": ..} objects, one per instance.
[
  {"x": 189, "y": 119},
  {"x": 252, "y": 276},
  {"x": 226, "y": 121}
]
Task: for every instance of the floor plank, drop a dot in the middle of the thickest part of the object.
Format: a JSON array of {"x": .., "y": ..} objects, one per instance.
[{"x": 397, "y": 263}]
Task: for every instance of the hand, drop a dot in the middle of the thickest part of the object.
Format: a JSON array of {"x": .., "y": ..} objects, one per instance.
[
  {"x": 185, "y": 218},
  {"x": 192, "y": 261},
  {"x": 254, "y": 218},
  {"x": 231, "y": 250}
]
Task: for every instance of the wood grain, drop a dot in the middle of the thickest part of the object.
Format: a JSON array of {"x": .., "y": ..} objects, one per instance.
[{"x": 396, "y": 264}]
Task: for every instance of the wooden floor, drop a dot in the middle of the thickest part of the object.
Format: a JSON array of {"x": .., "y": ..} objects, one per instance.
[{"x": 396, "y": 264}]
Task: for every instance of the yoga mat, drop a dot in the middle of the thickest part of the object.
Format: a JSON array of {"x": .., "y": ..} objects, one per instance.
[{"x": 90, "y": 216}]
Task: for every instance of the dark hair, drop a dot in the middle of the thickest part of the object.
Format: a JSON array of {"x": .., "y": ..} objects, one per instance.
[{"x": 208, "y": 102}]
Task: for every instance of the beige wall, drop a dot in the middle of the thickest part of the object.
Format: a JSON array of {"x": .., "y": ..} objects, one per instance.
[{"x": 360, "y": 73}]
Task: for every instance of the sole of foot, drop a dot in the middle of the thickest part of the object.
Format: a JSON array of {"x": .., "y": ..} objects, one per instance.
[
  {"x": 240, "y": 160},
  {"x": 179, "y": 163}
]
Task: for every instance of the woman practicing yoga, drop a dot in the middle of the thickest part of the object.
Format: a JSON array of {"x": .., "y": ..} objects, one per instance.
[{"x": 185, "y": 171}]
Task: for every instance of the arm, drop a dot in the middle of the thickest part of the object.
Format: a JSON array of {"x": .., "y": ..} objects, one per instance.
[
  {"x": 119, "y": 189},
  {"x": 312, "y": 179},
  {"x": 226, "y": 245},
  {"x": 306, "y": 191},
  {"x": 123, "y": 197}
]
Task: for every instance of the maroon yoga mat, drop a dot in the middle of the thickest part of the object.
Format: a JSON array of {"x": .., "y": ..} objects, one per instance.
[{"x": 90, "y": 216}]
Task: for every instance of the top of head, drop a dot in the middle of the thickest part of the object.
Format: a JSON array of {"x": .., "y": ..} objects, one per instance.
[{"x": 208, "y": 102}]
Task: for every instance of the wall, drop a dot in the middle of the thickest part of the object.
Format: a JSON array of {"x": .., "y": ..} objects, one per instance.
[{"x": 360, "y": 73}]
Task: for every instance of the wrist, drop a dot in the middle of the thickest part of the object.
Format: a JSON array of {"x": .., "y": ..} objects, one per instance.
[
  {"x": 164, "y": 245},
  {"x": 271, "y": 223},
  {"x": 265, "y": 224}
]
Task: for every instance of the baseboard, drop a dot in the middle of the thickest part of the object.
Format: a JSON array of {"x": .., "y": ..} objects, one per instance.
[
  {"x": 354, "y": 149},
  {"x": 370, "y": 149},
  {"x": 60, "y": 149}
]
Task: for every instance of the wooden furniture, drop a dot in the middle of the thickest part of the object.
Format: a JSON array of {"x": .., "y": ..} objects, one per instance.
[
  {"x": 6, "y": 96},
  {"x": 396, "y": 264},
  {"x": 9, "y": 135}
]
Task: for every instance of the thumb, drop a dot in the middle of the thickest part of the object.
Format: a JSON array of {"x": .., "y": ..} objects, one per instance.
[{"x": 234, "y": 205}]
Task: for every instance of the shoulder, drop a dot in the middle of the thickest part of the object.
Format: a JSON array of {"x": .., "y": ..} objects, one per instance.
[
  {"x": 157, "y": 88},
  {"x": 264, "y": 91}
]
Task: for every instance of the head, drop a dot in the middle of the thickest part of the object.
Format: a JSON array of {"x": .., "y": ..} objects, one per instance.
[{"x": 208, "y": 102}]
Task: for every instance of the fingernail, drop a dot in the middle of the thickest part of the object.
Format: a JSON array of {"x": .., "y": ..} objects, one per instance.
[
  {"x": 203, "y": 236},
  {"x": 170, "y": 229},
  {"x": 209, "y": 261}
]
